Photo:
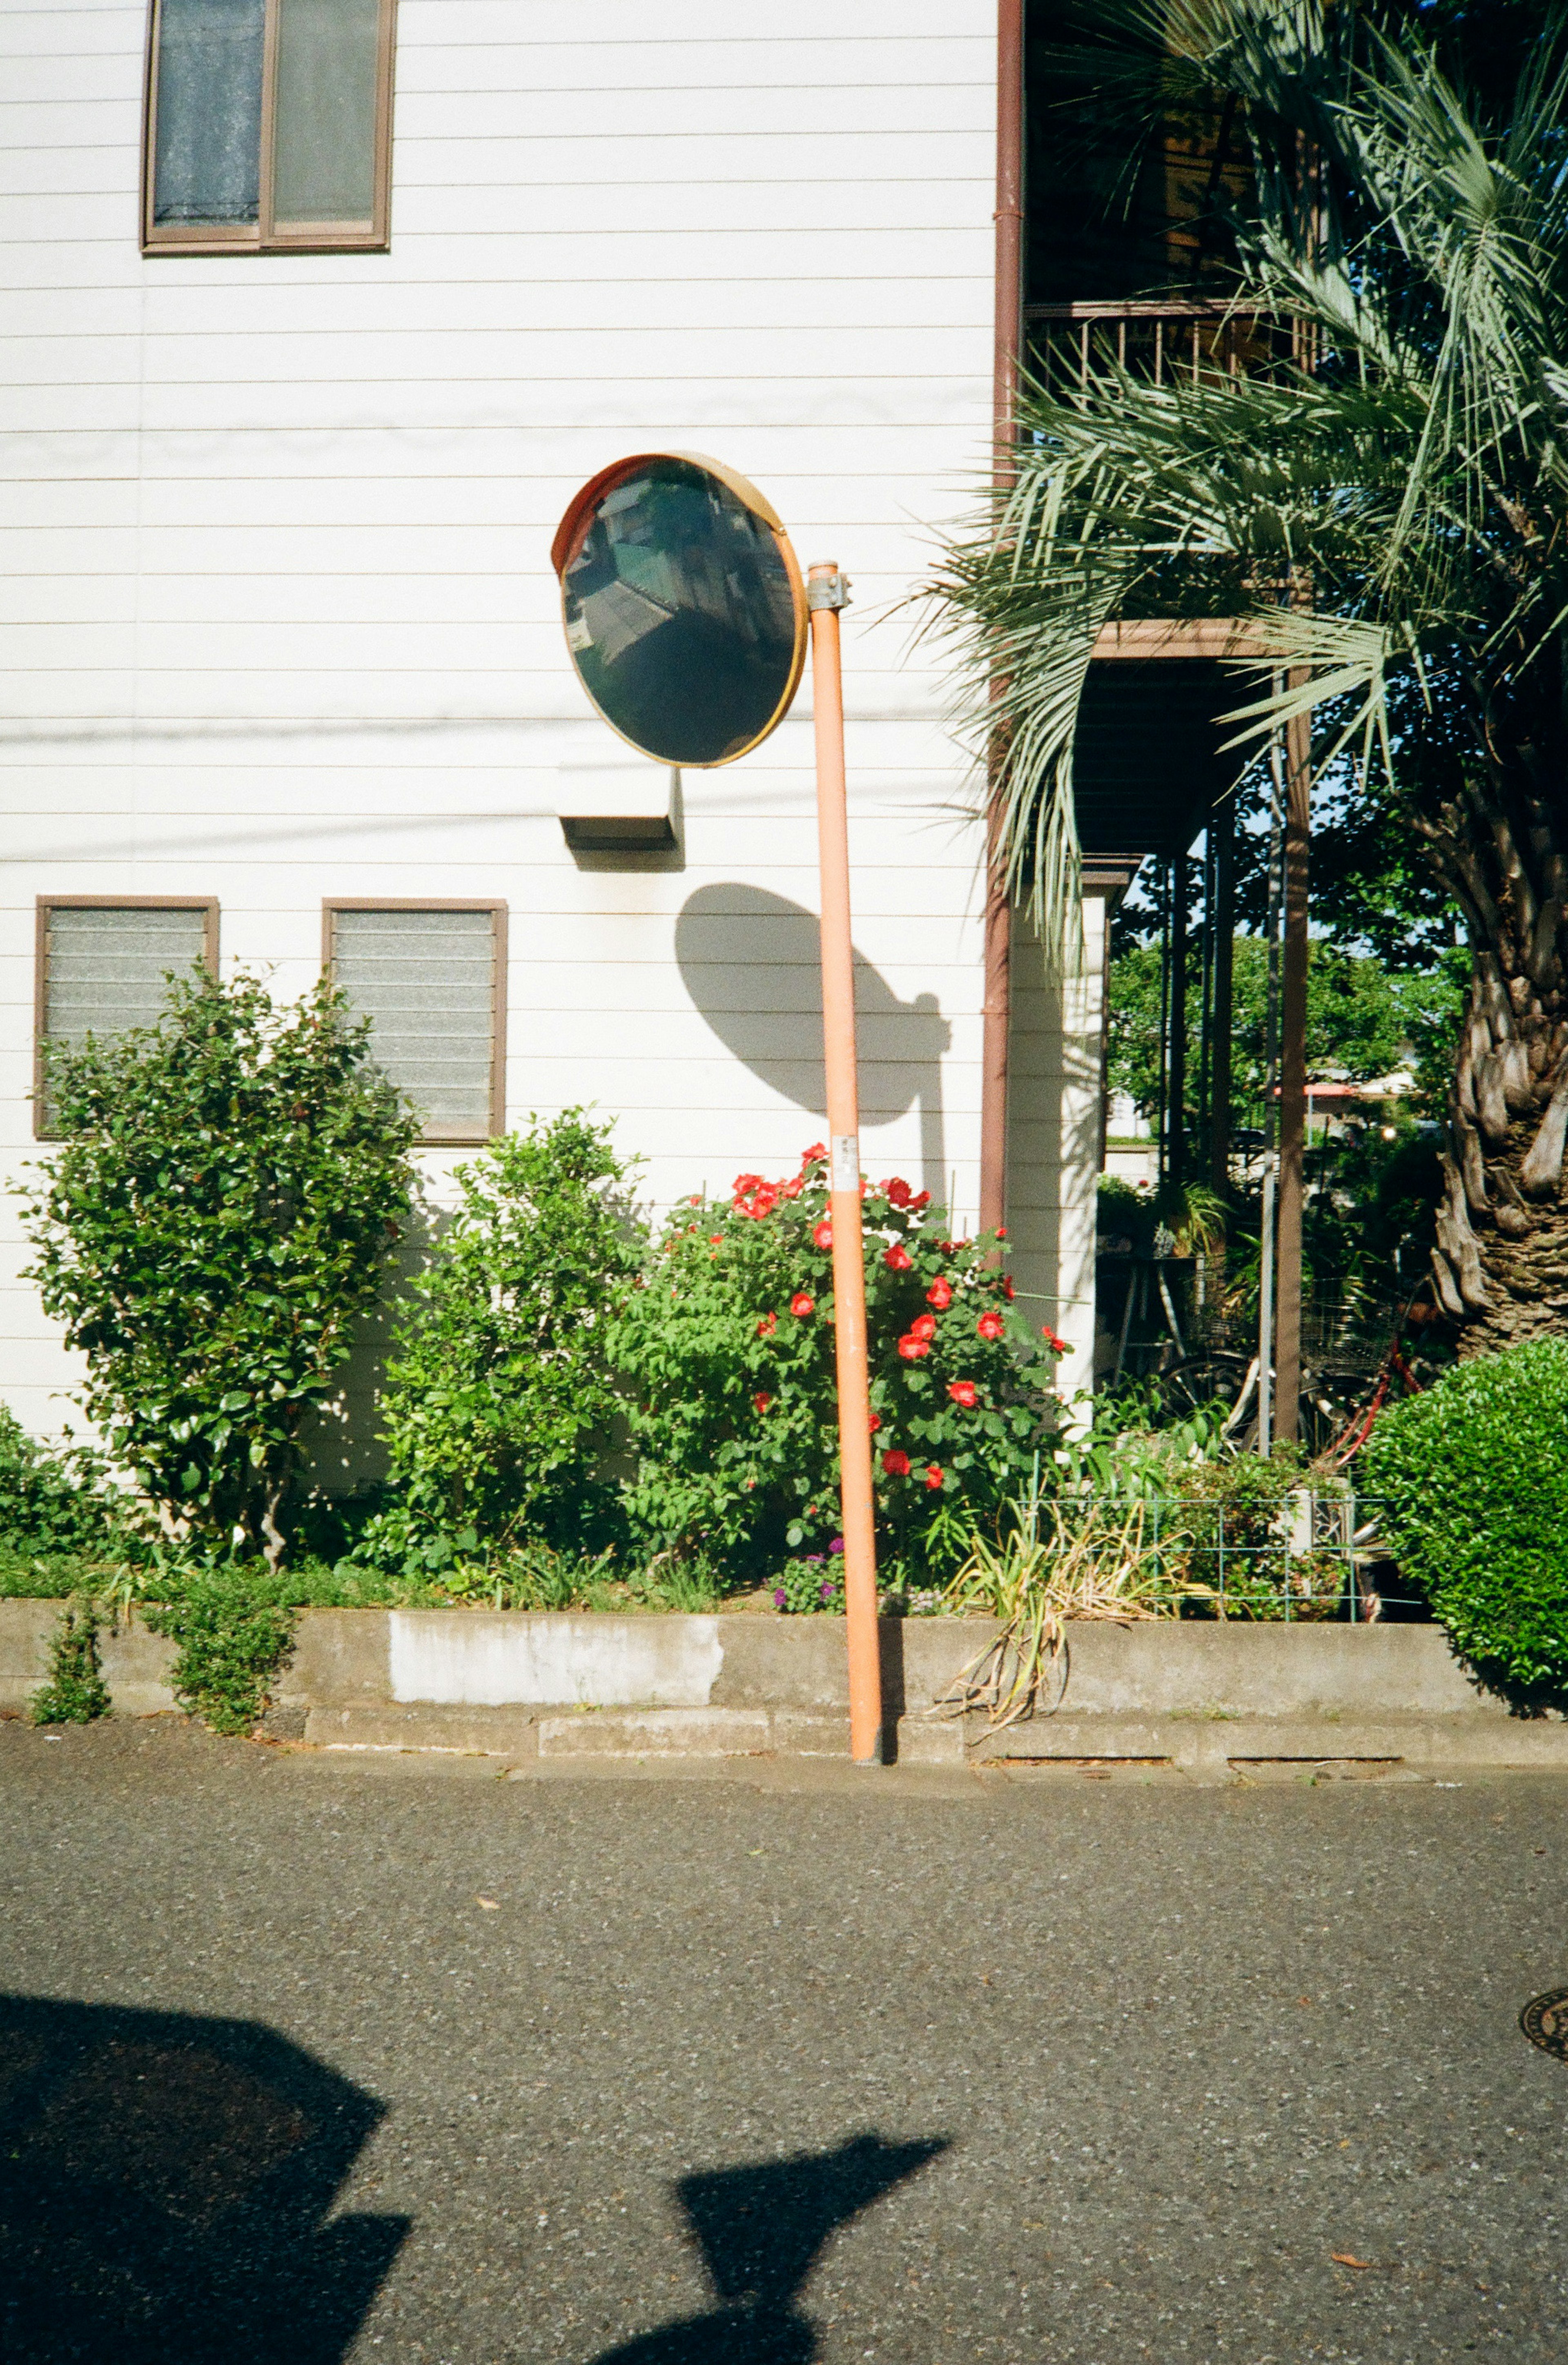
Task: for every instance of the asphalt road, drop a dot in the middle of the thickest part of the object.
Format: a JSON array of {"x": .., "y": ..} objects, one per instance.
[{"x": 306, "y": 2058}]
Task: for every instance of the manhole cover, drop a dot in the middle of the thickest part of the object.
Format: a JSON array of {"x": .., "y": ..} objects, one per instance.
[{"x": 1545, "y": 2022}]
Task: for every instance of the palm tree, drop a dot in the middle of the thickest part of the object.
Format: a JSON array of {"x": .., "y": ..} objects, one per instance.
[{"x": 1391, "y": 523}]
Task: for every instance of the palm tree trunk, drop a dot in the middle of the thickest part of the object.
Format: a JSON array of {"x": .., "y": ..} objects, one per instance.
[{"x": 1501, "y": 1258}]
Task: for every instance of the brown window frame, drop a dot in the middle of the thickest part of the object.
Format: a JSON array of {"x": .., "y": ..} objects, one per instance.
[
  {"x": 497, "y": 907},
  {"x": 263, "y": 236},
  {"x": 43, "y": 907}
]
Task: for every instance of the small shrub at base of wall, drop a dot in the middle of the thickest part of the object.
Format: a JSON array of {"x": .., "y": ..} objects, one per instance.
[
  {"x": 232, "y": 1625},
  {"x": 1475, "y": 1477},
  {"x": 75, "y": 1692}
]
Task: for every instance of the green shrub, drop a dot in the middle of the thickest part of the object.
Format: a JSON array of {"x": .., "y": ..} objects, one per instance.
[
  {"x": 232, "y": 1623},
  {"x": 75, "y": 1692},
  {"x": 219, "y": 1213},
  {"x": 498, "y": 1398},
  {"x": 1474, "y": 1479},
  {"x": 729, "y": 1348},
  {"x": 56, "y": 1501},
  {"x": 807, "y": 1587}
]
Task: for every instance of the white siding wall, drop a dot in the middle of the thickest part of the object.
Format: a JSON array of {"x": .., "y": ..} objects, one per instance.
[{"x": 277, "y": 617}]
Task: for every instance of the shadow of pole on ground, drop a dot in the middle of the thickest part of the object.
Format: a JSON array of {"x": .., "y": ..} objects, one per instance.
[{"x": 761, "y": 2229}]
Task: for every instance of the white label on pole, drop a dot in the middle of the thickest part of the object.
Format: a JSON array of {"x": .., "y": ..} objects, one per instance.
[{"x": 846, "y": 1161}]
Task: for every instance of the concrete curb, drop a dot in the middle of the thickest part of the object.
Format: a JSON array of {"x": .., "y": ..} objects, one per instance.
[{"x": 1211, "y": 1701}]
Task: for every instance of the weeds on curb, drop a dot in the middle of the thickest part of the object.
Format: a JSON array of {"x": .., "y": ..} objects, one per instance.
[
  {"x": 232, "y": 1633},
  {"x": 75, "y": 1692}
]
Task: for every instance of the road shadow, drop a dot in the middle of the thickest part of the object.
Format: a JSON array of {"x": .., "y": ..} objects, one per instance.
[
  {"x": 760, "y": 2230},
  {"x": 165, "y": 2189},
  {"x": 752, "y": 963}
]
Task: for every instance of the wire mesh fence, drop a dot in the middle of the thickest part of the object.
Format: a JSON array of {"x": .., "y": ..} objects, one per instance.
[{"x": 1314, "y": 1557}]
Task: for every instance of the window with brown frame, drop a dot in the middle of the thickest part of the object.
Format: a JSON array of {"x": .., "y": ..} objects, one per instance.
[
  {"x": 103, "y": 964},
  {"x": 432, "y": 979},
  {"x": 269, "y": 126}
]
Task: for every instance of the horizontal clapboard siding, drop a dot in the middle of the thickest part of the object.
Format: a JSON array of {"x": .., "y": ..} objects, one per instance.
[{"x": 276, "y": 616}]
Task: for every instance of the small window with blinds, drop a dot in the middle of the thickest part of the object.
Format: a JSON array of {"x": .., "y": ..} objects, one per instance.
[
  {"x": 432, "y": 979},
  {"x": 103, "y": 967},
  {"x": 269, "y": 124}
]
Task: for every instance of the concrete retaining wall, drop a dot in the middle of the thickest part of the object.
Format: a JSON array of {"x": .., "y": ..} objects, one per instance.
[{"x": 1205, "y": 1697}]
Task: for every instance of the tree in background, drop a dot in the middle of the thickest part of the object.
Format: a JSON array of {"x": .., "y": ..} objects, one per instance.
[
  {"x": 229, "y": 1186},
  {"x": 1393, "y": 523}
]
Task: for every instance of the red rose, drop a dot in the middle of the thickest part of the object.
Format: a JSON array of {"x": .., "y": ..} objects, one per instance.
[
  {"x": 715, "y": 1240},
  {"x": 823, "y": 1233},
  {"x": 1057, "y": 1346},
  {"x": 768, "y": 1326},
  {"x": 912, "y": 1348},
  {"x": 963, "y": 1393},
  {"x": 762, "y": 1402},
  {"x": 899, "y": 1193},
  {"x": 897, "y": 1258},
  {"x": 802, "y": 1304},
  {"x": 817, "y": 1150},
  {"x": 895, "y": 1464},
  {"x": 873, "y": 1422},
  {"x": 792, "y": 1190},
  {"x": 924, "y": 1327},
  {"x": 990, "y": 1324},
  {"x": 940, "y": 1294},
  {"x": 745, "y": 1184},
  {"x": 918, "y": 1206},
  {"x": 1007, "y": 1289},
  {"x": 933, "y": 1477},
  {"x": 1002, "y": 1231}
]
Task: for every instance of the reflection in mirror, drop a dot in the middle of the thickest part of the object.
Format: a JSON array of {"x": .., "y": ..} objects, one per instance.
[{"x": 680, "y": 615}]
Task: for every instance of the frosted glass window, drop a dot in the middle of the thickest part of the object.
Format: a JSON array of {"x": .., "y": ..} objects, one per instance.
[
  {"x": 209, "y": 160},
  {"x": 427, "y": 980},
  {"x": 105, "y": 967},
  {"x": 270, "y": 124},
  {"x": 324, "y": 145}
]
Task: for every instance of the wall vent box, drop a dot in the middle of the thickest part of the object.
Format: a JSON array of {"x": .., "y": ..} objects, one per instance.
[{"x": 618, "y": 807}]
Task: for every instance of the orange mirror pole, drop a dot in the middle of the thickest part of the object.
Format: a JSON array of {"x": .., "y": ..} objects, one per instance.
[{"x": 826, "y": 593}]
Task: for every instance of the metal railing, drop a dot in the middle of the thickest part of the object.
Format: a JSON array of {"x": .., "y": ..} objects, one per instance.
[{"x": 1073, "y": 347}]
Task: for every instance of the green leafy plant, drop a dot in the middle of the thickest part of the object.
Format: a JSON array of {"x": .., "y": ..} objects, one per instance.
[
  {"x": 809, "y": 1586},
  {"x": 1474, "y": 1480},
  {"x": 1229, "y": 1531},
  {"x": 499, "y": 1401},
  {"x": 75, "y": 1692},
  {"x": 232, "y": 1623},
  {"x": 728, "y": 1346},
  {"x": 218, "y": 1216}
]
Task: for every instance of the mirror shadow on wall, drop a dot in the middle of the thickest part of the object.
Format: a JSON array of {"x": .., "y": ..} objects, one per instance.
[
  {"x": 752, "y": 963},
  {"x": 167, "y": 2187}
]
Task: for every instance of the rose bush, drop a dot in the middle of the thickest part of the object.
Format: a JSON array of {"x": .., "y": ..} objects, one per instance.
[{"x": 728, "y": 1350}]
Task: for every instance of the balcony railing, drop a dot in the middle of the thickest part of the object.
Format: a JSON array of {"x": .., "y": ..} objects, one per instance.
[{"x": 1076, "y": 346}]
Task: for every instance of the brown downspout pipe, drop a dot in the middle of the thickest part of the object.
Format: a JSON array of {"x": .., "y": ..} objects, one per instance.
[
  {"x": 1009, "y": 220},
  {"x": 1292, "y": 1075}
]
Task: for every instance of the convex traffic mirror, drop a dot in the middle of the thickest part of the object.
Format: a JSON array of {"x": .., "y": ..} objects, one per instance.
[{"x": 685, "y": 613}]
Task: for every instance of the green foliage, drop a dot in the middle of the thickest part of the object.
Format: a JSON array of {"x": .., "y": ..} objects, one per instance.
[
  {"x": 498, "y": 1398},
  {"x": 1358, "y": 1018},
  {"x": 729, "y": 1348},
  {"x": 55, "y": 1501},
  {"x": 232, "y": 1623},
  {"x": 1229, "y": 1536},
  {"x": 1473, "y": 1475},
  {"x": 230, "y": 1186},
  {"x": 75, "y": 1692},
  {"x": 809, "y": 1586}
]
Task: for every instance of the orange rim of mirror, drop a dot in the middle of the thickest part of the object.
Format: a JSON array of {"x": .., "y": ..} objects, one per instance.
[{"x": 573, "y": 531}]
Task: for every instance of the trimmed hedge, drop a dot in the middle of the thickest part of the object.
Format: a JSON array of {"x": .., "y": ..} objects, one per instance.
[{"x": 1474, "y": 1474}]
